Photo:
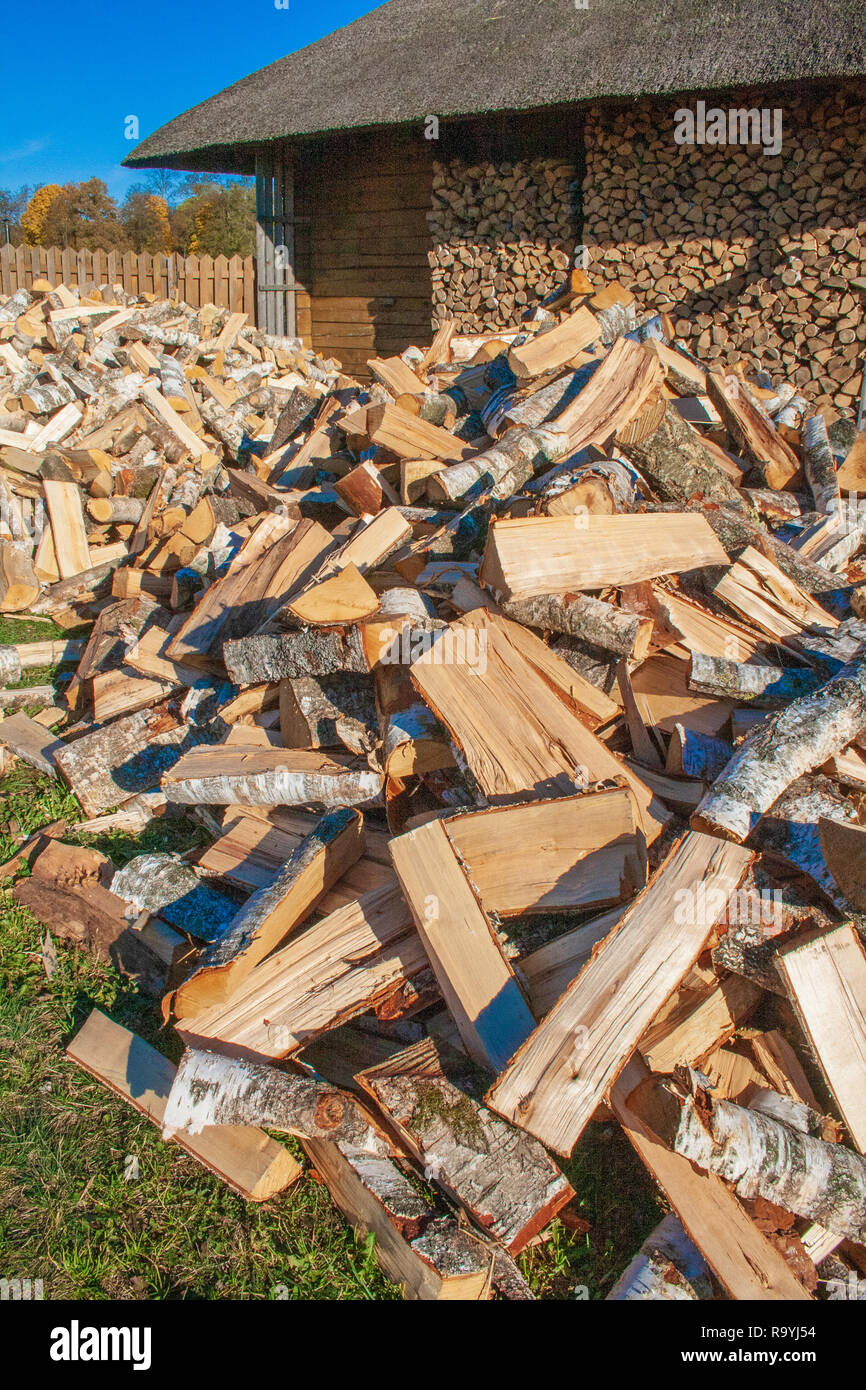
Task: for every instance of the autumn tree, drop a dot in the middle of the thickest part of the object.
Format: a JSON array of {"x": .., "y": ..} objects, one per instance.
[
  {"x": 146, "y": 222},
  {"x": 84, "y": 216},
  {"x": 216, "y": 218},
  {"x": 34, "y": 217}
]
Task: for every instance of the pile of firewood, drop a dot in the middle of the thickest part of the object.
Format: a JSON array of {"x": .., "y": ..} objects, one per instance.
[{"x": 522, "y": 696}]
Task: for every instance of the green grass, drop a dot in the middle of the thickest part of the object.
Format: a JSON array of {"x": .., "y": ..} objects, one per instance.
[{"x": 70, "y": 1214}]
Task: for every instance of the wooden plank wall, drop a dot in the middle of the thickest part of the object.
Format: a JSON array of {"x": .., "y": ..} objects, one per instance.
[{"x": 361, "y": 243}]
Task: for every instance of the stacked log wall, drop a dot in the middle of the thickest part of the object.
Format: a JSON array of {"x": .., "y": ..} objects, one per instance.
[
  {"x": 753, "y": 255},
  {"x": 503, "y": 232}
]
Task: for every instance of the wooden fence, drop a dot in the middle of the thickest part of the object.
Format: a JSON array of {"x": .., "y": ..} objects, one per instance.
[{"x": 197, "y": 280}]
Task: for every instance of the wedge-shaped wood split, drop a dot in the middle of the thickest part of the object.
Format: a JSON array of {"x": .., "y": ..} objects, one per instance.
[
  {"x": 269, "y": 915},
  {"x": 478, "y": 984},
  {"x": 552, "y": 856},
  {"x": 528, "y": 556},
  {"x": 826, "y": 976},
  {"x": 520, "y": 739},
  {"x": 360, "y": 957}
]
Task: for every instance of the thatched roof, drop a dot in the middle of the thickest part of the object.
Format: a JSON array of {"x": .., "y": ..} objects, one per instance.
[{"x": 410, "y": 58}]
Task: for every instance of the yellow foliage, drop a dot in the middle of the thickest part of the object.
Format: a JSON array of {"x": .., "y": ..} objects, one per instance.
[
  {"x": 159, "y": 207},
  {"x": 36, "y": 211},
  {"x": 202, "y": 218}
]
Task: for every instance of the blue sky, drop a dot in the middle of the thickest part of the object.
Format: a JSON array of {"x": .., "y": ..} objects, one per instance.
[{"x": 87, "y": 66}]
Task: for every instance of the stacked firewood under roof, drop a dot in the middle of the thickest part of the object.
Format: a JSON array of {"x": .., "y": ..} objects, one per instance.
[{"x": 522, "y": 696}]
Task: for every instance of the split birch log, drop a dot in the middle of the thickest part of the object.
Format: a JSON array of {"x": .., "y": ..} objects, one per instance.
[
  {"x": 267, "y": 777},
  {"x": 737, "y": 532},
  {"x": 19, "y": 586},
  {"x": 225, "y": 424},
  {"x": 682, "y": 372},
  {"x": 551, "y": 351},
  {"x": 30, "y": 742},
  {"x": 277, "y": 558},
  {"x": 764, "y": 1158},
  {"x": 667, "y": 1266},
  {"x": 819, "y": 466},
  {"x": 63, "y": 500},
  {"x": 826, "y": 978},
  {"x": 520, "y": 739},
  {"x": 27, "y": 695},
  {"x": 757, "y": 588},
  {"x": 410, "y": 437},
  {"x": 112, "y": 764},
  {"x": 527, "y": 556},
  {"x": 365, "y": 490},
  {"x": 362, "y": 956},
  {"x": 776, "y": 506},
  {"x": 13, "y": 659},
  {"x": 161, "y": 883},
  {"x": 345, "y": 597},
  {"x": 753, "y": 432},
  {"x": 627, "y": 377},
  {"x": 783, "y": 748},
  {"x": 844, "y": 849},
  {"x": 15, "y": 305},
  {"x": 326, "y": 711},
  {"x": 212, "y": 1090},
  {"x": 695, "y": 1024},
  {"x": 678, "y": 466},
  {"x": 502, "y": 1177},
  {"x": 46, "y": 397},
  {"x": 277, "y": 656},
  {"x": 509, "y": 406},
  {"x": 517, "y": 455},
  {"x": 414, "y": 743},
  {"x": 477, "y": 981},
  {"x": 172, "y": 380},
  {"x": 559, "y": 1076},
  {"x": 430, "y": 1256},
  {"x": 456, "y": 540},
  {"x": 160, "y": 407},
  {"x": 604, "y": 486},
  {"x": 115, "y": 396},
  {"x": 251, "y": 1163},
  {"x": 552, "y": 856},
  {"x": 764, "y": 686},
  {"x": 693, "y": 754},
  {"x": 591, "y": 619},
  {"x": 267, "y": 918},
  {"x": 790, "y": 829}
]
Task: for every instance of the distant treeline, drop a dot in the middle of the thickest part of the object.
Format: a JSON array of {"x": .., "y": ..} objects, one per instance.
[{"x": 194, "y": 214}]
